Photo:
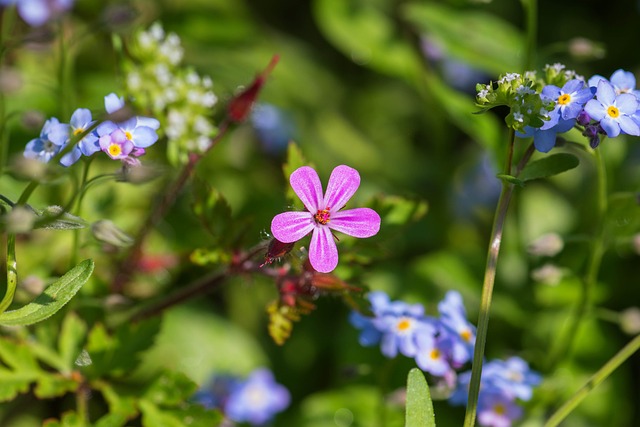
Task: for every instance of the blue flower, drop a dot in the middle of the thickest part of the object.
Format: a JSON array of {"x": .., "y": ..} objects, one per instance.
[
  {"x": 139, "y": 131},
  {"x": 570, "y": 99},
  {"x": 400, "y": 324},
  {"x": 257, "y": 399},
  {"x": 497, "y": 410},
  {"x": 544, "y": 138},
  {"x": 51, "y": 140},
  {"x": 457, "y": 330},
  {"x": 614, "y": 112},
  {"x": 274, "y": 128},
  {"x": 370, "y": 334},
  {"x": 512, "y": 376},
  {"x": 622, "y": 81},
  {"x": 433, "y": 354},
  {"x": 38, "y": 12}
]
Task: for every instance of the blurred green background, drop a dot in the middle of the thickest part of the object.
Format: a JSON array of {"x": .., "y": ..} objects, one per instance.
[{"x": 388, "y": 88}]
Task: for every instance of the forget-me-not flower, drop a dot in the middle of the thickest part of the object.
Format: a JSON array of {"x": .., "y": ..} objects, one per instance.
[
  {"x": 613, "y": 112},
  {"x": 570, "y": 99},
  {"x": 51, "y": 140}
]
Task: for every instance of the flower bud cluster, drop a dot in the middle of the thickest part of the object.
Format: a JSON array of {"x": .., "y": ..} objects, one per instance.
[
  {"x": 179, "y": 96},
  {"x": 562, "y": 100}
]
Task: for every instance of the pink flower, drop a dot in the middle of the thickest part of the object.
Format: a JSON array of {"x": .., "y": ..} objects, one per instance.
[{"x": 323, "y": 215}]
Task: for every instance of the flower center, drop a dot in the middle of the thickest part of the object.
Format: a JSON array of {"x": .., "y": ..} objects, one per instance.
[
  {"x": 77, "y": 131},
  {"x": 128, "y": 135},
  {"x": 49, "y": 146},
  {"x": 613, "y": 112},
  {"x": 404, "y": 324},
  {"x": 435, "y": 354},
  {"x": 322, "y": 216},
  {"x": 564, "y": 99},
  {"x": 466, "y": 335},
  {"x": 115, "y": 150},
  {"x": 500, "y": 409}
]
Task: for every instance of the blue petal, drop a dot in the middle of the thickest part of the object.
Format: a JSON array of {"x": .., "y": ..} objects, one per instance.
[
  {"x": 623, "y": 80},
  {"x": 113, "y": 103},
  {"x": 143, "y": 137},
  {"x": 627, "y": 103},
  {"x": 544, "y": 140},
  {"x": 628, "y": 126},
  {"x": 610, "y": 126},
  {"x": 605, "y": 93}
]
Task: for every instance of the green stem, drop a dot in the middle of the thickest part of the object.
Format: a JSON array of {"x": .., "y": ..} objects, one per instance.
[
  {"x": 565, "y": 340},
  {"x": 78, "y": 210},
  {"x": 12, "y": 273},
  {"x": 487, "y": 289},
  {"x": 602, "y": 374}
]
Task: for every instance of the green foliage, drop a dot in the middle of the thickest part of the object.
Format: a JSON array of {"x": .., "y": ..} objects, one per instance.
[
  {"x": 419, "y": 412},
  {"x": 52, "y": 299},
  {"x": 475, "y": 37},
  {"x": 551, "y": 165}
]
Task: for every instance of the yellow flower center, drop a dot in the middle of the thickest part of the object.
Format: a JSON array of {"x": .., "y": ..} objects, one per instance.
[
  {"x": 564, "y": 99},
  {"x": 613, "y": 112},
  {"x": 77, "y": 131},
  {"x": 466, "y": 335},
  {"x": 403, "y": 324},
  {"x": 128, "y": 135},
  {"x": 323, "y": 216},
  {"x": 115, "y": 150},
  {"x": 500, "y": 409},
  {"x": 435, "y": 354}
]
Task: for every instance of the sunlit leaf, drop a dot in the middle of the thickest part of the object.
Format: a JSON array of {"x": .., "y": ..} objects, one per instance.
[
  {"x": 54, "y": 297},
  {"x": 478, "y": 38},
  {"x": 419, "y": 410}
]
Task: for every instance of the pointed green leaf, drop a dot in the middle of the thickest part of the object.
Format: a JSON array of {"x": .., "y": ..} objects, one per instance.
[
  {"x": 71, "y": 340},
  {"x": 510, "y": 179},
  {"x": 170, "y": 389},
  {"x": 295, "y": 160},
  {"x": 479, "y": 38},
  {"x": 52, "y": 299},
  {"x": 419, "y": 406},
  {"x": 54, "y": 218},
  {"x": 549, "y": 166}
]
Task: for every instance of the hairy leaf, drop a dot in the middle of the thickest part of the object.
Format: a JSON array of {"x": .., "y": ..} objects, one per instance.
[
  {"x": 52, "y": 299},
  {"x": 419, "y": 408}
]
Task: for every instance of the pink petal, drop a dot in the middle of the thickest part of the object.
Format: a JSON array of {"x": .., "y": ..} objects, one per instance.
[
  {"x": 360, "y": 222},
  {"x": 344, "y": 181},
  {"x": 289, "y": 227},
  {"x": 307, "y": 186},
  {"x": 323, "y": 253}
]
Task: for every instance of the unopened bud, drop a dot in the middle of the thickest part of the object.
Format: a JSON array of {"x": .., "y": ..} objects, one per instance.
[
  {"x": 20, "y": 220},
  {"x": 583, "y": 48},
  {"x": 548, "y": 274},
  {"x": 106, "y": 231},
  {"x": 630, "y": 321},
  {"x": 241, "y": 105},
  {"x": 276, "y": 249},
  {"x": 28, "y": 169},
  {"x": 546, "y": 245}
]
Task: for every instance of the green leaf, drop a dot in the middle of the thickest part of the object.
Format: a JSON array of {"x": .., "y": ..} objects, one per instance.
[
  {"x": 69, "y": 419},
  {"x": 72, "y": 337},
  {"x": 54, "y": 218},
  {"x": 52, "y": 299},
  {"x": 120, "y": 353},
  {"x": 54, "y": 385},
  {"x": 510, "y": 179},
  {"x": 549, "y": 166},
  {"x": 213, "y": 210},
  {"x": 623, "y": 215},
  {"x": 477, "y": 38},
  {"x": 295, "y": 160},
  {"x": 397, "y": 210},
  {"x": 170, "y": 389},
  {"x": 364, "y": 31},
  {"x": 419, "y": 406}
]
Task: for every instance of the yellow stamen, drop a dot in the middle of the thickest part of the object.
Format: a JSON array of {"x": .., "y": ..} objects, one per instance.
[
  {"x": 613, "y": 112},
  {"x": 115, "y": 150},
  {"x": 128, "y": 135},
  {"x": 403, "y": 324},
  {"x": 500, "y": 409},
  {"x": 435, "y": 354},
  {"x": 564, "y": 99},
  {"x": 466, "y": 335},
  {"x": 78, "y": 131}
]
